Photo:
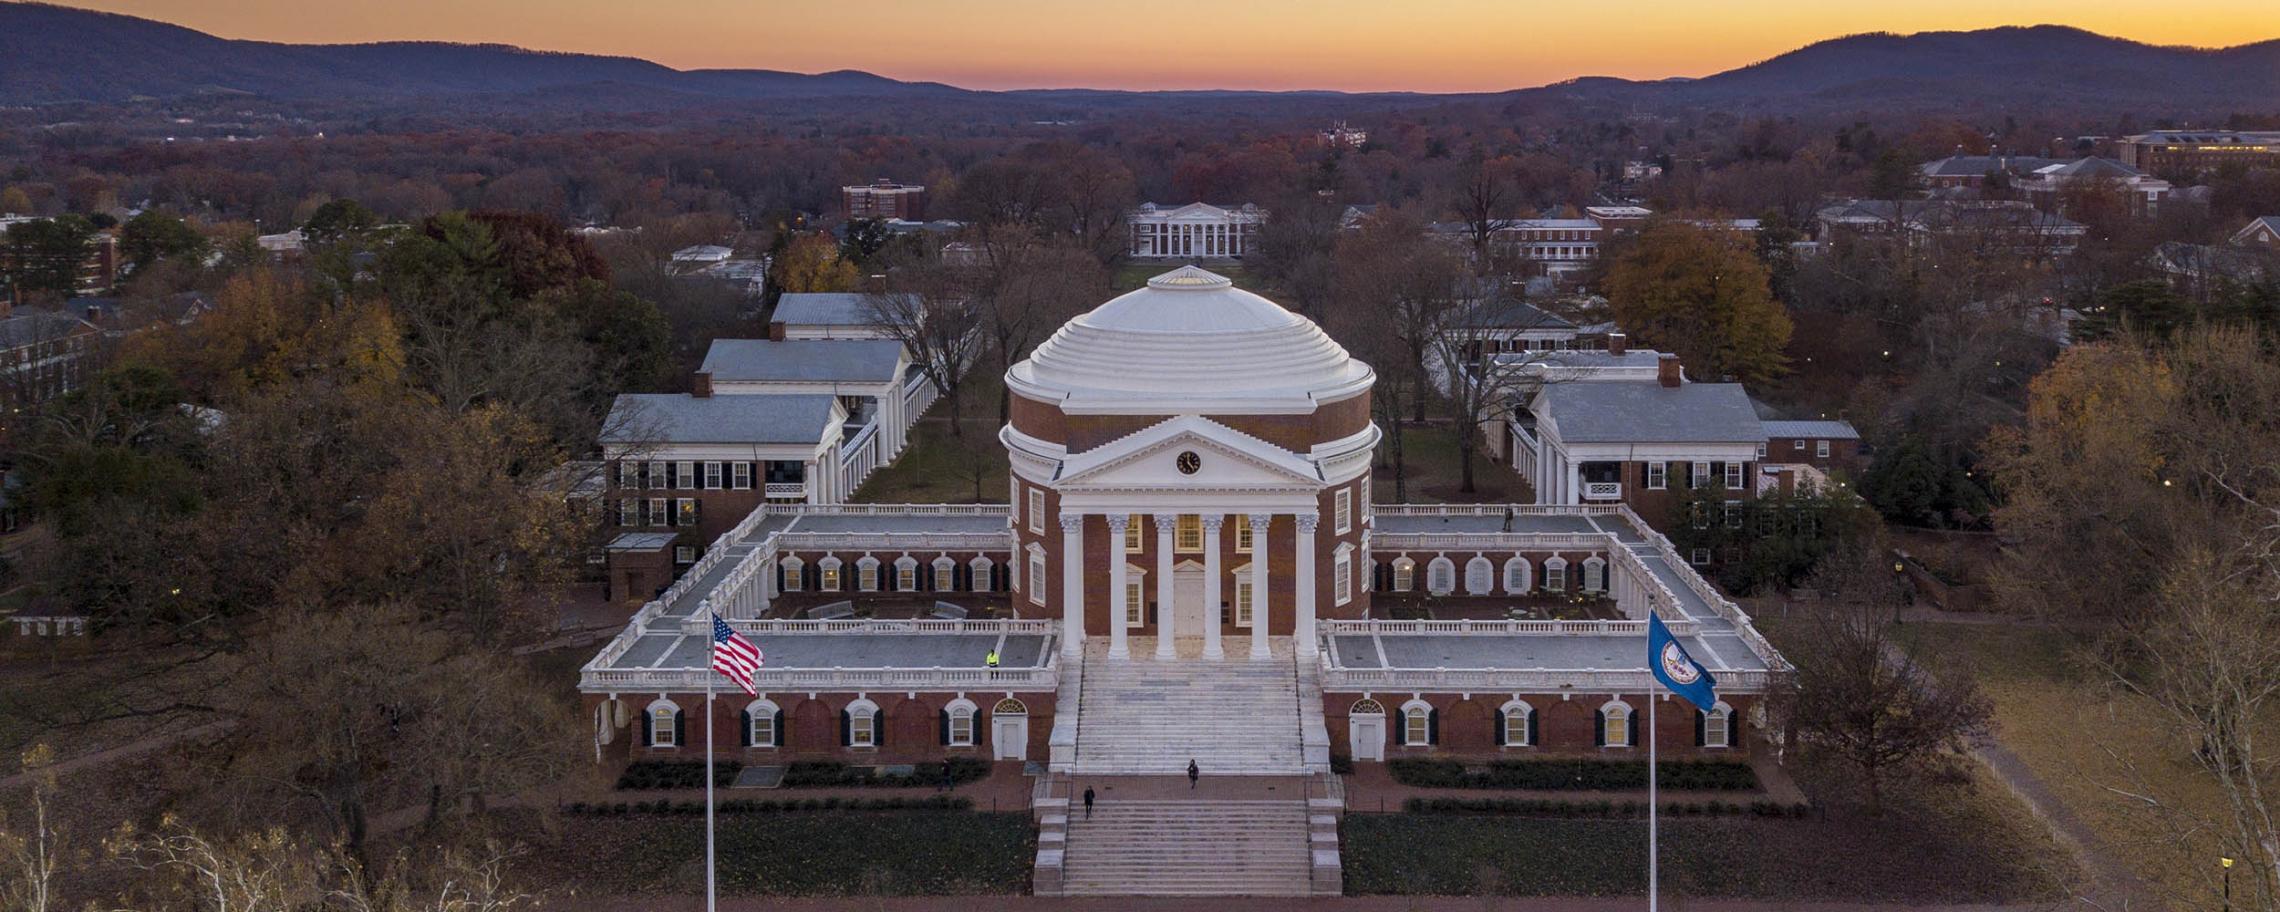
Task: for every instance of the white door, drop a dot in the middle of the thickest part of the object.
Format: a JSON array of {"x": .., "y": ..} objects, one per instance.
[
  {"x": 1187, "y": 597},
  {"x": 1365, "y": 736},
  {"x": 1009, "y": 737}
]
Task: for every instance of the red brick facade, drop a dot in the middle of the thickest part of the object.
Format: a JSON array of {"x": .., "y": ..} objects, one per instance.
[{"x": 909, "y": 727}]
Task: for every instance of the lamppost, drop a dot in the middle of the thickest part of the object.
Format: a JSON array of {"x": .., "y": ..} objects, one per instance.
[{"x": 2227, "y": 862}]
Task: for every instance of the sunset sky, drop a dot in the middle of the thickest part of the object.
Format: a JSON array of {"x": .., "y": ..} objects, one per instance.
[{"x": 1415, "y": 45}]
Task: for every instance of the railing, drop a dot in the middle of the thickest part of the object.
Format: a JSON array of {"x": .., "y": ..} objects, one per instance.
[
  {"x": 686, "y": 680},
  {"x": 918, "y": 395},
  {"x": 860, "y": 457},
  {"x": 890, "y": 510},
  {"x": 1502, "y": 628},
  {"x": 785, "y": 489},
  {"x": 1719, "y": 604},
  {"x": 1519, "y": 680},
  {"x": 1007, "y": 627},
  {"x": 996, "y": 540},
  {"x": 50, "y": 625},
  {"x": 1603, "y": 490},
  {"x": 1382, "y": 541},
  {"x": 1501, "y": 509}
]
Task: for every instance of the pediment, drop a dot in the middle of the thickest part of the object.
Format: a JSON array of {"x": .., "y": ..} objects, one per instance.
[{"x": 1223, "y": 458}]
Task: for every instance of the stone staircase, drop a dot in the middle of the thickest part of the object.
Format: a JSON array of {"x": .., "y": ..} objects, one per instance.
[
  {"x": 1144, "y": 717},
  {"x": 1189, "y": 848}
]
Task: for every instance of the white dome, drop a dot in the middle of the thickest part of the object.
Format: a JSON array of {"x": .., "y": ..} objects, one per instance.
[{"x": 1189, "y": 343}]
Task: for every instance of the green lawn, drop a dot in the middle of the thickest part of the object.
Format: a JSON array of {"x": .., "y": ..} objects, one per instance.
[
  {"x": 1434, "y": 473},
  {"x": 885, "y": 853},
  {"x": 1982, "y": 844}
]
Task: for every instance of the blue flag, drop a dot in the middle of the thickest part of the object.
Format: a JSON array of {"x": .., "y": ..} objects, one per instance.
[{"x": 1677, "y": 670}]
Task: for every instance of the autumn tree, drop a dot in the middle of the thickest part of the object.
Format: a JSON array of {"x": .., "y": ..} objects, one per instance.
[
  {"x": 813, "y": 263},
  {"x": 1704, "y": 296}
]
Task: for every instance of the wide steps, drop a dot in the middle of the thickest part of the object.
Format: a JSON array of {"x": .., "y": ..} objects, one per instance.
[
  {"x": 1190, "y": 848},
  {"x": 1147, "y": 716}
]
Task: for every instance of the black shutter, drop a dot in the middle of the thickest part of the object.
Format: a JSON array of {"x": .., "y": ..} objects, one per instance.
[
  {"x": 1432, "y": 726},
  {"x": 1632, "y": 721},
  {"x": 680, "y": 729},
  {"x": 648, "y": 739},
  {"x": 879, "y": 727},
  {"x": 1599, "y": 728},
  {"x": 943, "y": 723},
  {"x": 1503, "y": 721},
  {"x": 1532, "y": 742},
  {"x": 744, "y": 728},
  {"x": 846, "y": 729},
  {"x": 776, "y": 728},
  {"x": 1701, "y": 729}
]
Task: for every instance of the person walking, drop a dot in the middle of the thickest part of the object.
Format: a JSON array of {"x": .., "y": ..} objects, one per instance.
[
  {"x": 991, "y": 660},
  {"x": 1194, "y": 773},
  {"x": 1088, "y": 802}
]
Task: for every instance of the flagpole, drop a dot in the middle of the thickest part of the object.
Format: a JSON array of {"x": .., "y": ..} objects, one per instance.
[
  {"x": 710, "y": 896},
  {"x": 1654, "y": 872}
]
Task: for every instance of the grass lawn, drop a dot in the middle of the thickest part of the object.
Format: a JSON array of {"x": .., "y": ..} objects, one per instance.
[
  {"x": 1434, "y": 474},
  {"x": 885, "y": 853},
  {"x": 1983, "y": 846},
  {"x": 2082, "y": 740},
  {"x": 940, "y": 468}
]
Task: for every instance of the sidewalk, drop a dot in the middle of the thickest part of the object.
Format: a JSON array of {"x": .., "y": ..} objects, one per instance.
[{"x": 1244, "y": 903}]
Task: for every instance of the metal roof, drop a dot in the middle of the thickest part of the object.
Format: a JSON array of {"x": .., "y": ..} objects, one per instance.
[
  {"x": 1639, "y": 412},
  {"x": 803, "y": 360},
  {"x": 755, "y": 419},
  {"x": 1834, "y": 430}
]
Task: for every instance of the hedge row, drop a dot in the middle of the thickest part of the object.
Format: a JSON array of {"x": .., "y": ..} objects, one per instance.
[
  {"x": 1573, "y": 775},
  {"x": 645, "y": 775},
  {"x": 1544, "y": 807},
  {"x": 770, "y": 806},
  {"x": 834, "y": 774}
]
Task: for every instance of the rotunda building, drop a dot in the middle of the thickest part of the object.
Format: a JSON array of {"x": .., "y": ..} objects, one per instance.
[{"x": 1190, "y": 473}]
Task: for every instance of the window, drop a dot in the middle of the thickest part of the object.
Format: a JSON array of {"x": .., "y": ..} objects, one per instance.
[
  {"x": 1700, "y": 557},
  {"x": 629, "y": 512},
  {"x": 1187, "y": 534},
  {"x": 664, "y": 724},
  {"x": 1733, "y": 514},
  {"x": 1718, "y": 726},
  {"x": 1404, "y": 574},
  {"x": 1243, "y": 535},
  {"x": 685, "y": 475},
  {"x": 684, "y": 511},
  {"x": 828, "y": 570},
  {"x": 1516, "y": 576},
  {"x": 958, "y": 724},
  {"x": 1700, "y": 474},
  {"x": 1761, "y": 449},
  {"x": 740, "y": 476},
  {"x": 862, "y": 724},
  {"x": 1478, "y": 577},
  {"x": 1134, "y": 541},
  {"x": 906, "y": 575},
  {"x": 1036, "y": 575},
  {"x": 684, "y": 554},
  {"x": 1555, "y": 575},
  {"x": 945, "y": 574},
  {"x": 1821, "y": 448},
  {"x": 792, "y": 568},
  {"x": 1441, "y": 576},
  {"x": 660, "y": 475},
  {"x": 760, "y": 724},
  {"x": 979, "y": 573},
  {"x": 1733, "y": 476},
  {"x": 659, "y": 514},
  {"x": 1797, "y": 444},
  {"x": 1037, "y": 510},
  {"x": 1658, "y": 476},
  {"x": 1700, "y": 514},
  {"x": 867, "y": 574},
  {"x": 1243, "y": 597},
  {"x": 1518, "y": 725},
  {"x": 712, "y": 476},
  {"x": 629, "y": 475},
  {"x": 1342, "y": 572},
  {"x": 1615, "y": 725},
  {"x": 1344, "y": 511},
  {"x": 1416, "y": 724},
  {"x": 1594, "y": 575},
  {"x": 1366, "y": 511},
  {"x": 1135, "y": 596}
]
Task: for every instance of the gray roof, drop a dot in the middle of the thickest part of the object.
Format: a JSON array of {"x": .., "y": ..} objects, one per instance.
[
  {"x": 803, "y": 360},
  {"x": 1511, "y": 315},
  {"x": 682, "y": 418},
  {"x": 642, "y": 541},
  {"x": 2091, "y": 167},
  {"x": 28, "y": 326},
  {"x": 1834, "y": 430},
  {"x": 824, "y": 308},
  {"x": 1635, "y": 412},
  {"x": 846, "y": 650},
  {"x": 1982, "y": 165}
]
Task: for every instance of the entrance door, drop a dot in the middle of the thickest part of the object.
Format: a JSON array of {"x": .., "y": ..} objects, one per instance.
[
  {"x": 1009, "y": 737},
  {"x": 1187, "y": 599},
  {"x": 1365, "y": 734}
]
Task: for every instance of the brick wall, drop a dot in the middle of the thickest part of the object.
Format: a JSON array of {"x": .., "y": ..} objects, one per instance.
[{"x": 909, "y": 727}]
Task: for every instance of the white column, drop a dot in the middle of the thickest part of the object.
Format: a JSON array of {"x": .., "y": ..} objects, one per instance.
[
  {"x": 1304, "y": 611},
  {"x": 1574, "y": 482},
  {"x": 809, "y": 473},
  {"x": 1118, "y": 646},
  {"x": 1211, "y": 618},
  {"x": 1072, "y": 582},
  {"x": 1165, "y": 610},
  {"x": 1259, "y": 602}
]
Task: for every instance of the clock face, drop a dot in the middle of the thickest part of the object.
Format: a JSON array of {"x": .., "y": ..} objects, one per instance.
[{"x": 1189, "y": 463}]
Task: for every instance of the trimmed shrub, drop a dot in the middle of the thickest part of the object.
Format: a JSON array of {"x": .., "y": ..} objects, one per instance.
[
  {"x": 1590, "y": 775},
  {"x": 650, "y": 775}
]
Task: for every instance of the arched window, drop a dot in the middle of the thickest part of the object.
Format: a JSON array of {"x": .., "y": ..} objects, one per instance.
[
  {"x": 1420, "y": 724},
  {"x": 792, "y": 567},
  {"x": 1617, "y": 726},
  {"x": 867, "y": 574},
  {"x": 1009, "y": 707},
  {"x": 1366, "y": 707},
  {"x": 1135, "y": 596},
  {"x": 1516, "y": 725},
  {"x": 1441, "y": 576},
  {"x": 906, "y": 574},
  {"x": 945, "y": 574},
  {"x": 1716, "y": 727},
  {"x": 1555, "y": 574},
  {"x": 860, "y": 722},
  {"x": 763, "y": 724},
  {"x": 662, "y": 724},
  {"x": 958, "y": 723},
  {"x": 1480, "y": 576},
  {"x": 1243, "y": 596},
  {"x": 1516, "y": 576},
  {"x": 1594, "y": 574},
  {"x": 829, "y": 568},
  {"x": 1404, "y": 574},
  {"x": 979, "y": 575}
]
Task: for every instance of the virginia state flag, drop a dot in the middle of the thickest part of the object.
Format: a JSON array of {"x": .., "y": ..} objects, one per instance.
[{"x": 1677, "y": 670}]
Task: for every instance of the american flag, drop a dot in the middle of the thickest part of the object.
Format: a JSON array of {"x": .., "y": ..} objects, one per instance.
[{"x": 734, "y": 656}]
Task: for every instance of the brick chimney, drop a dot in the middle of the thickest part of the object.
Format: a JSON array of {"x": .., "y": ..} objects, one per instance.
[
  {"x": 700, "y": 386},
  {"x": 776, "y": 331},
  {"x": 1667, "y": 372},
  {"x": 1618, "y": 344}
]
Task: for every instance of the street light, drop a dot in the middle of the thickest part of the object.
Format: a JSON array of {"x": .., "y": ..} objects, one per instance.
[{"x": 2227, "y": 862}]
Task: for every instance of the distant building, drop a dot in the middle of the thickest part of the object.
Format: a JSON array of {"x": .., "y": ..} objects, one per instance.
[
  {"x": 2046, "y": 186},
  {"x": 281, "y": 247},
  {"x": 2260, "y": 232},
  {"x": 1564, "y": 246},
  {"x": 43, "y": 354},
  {"x": 2193, "y": 152},
  {"x": 701, "y": 255},
  {"x": 98, "y": 271},
  {"x": 825, "y": 315},
  {"x": 1342, "y": 136},
  {"x": 2012, "y": 224},
  {"x": 1196, "y": 231},
  {"x": 1971, "y": 171},
  {"x": 884, "y": 199},
  {"x": 1635, "y": 171}
]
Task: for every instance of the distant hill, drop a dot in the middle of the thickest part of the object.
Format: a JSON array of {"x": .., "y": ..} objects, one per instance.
[{"x": 51, "y": 54}]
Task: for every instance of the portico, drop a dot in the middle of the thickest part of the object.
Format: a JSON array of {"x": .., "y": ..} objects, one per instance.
[{"x": 1181, "y": 592}]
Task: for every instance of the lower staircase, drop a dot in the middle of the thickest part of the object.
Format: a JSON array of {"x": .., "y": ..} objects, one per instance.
[{"x": 1189, "y": 848}]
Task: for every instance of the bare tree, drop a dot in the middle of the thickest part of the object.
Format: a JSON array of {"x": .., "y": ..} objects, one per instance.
[
  {"x": 31, "y": 862},
  {"x": 1483, "y": 376},
  {"x": 932, "y": 310},
  {"x": 1395, "y": 280},
  {"x": 1484, "y": 203}
]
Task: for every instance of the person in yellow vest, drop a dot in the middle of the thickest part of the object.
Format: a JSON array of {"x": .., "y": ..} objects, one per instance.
[{"x": 992, "y": 659}]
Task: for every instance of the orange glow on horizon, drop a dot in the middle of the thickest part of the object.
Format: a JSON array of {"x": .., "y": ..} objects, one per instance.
[{"x": 1352, "y": 45}]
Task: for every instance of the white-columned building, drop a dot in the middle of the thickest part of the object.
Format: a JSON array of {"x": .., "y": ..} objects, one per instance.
[{"x": 1196, "y": 231}]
